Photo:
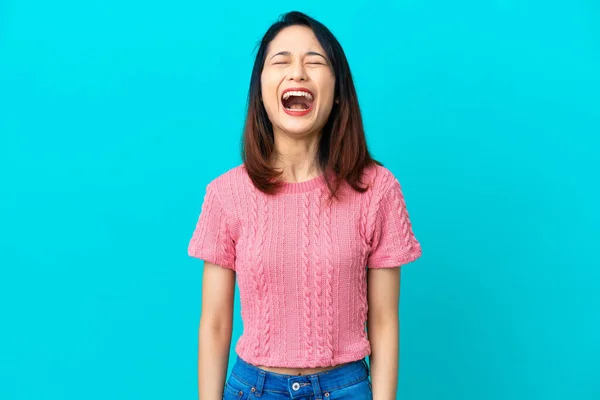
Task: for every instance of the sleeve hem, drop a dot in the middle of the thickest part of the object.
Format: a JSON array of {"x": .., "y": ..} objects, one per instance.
[
  {"x": 398, "y": 261},
  {"x": 211, "y": 258}
]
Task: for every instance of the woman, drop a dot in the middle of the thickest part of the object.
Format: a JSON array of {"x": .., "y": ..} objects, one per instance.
[{"x": 298, "y": 223}]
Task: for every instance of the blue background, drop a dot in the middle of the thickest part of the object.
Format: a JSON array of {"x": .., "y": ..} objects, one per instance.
[{"x": 114, "y": 115}]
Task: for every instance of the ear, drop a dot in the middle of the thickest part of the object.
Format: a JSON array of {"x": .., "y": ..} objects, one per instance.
[{"x": 337, "y": 101}]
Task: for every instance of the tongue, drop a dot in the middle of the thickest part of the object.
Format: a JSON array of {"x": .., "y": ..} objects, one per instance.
[{"x": 297, "y": 103}]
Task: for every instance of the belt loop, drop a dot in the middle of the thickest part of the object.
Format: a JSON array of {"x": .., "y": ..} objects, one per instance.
[
  {"x": 260, "y": 381},
  {"x": 314, "y": 379}
]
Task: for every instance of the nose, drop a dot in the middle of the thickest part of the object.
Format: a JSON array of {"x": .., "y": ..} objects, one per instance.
[{"x": 298, "y": 73}]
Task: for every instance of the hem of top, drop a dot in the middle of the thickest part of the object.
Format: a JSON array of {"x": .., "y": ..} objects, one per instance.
[
  {"x": 211, "y": 258},
  {"x": 398, "y": 262},
  {"x": 303, "y": 363}
]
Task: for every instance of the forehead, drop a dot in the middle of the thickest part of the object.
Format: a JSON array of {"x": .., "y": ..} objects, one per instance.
[{"x": 295, "y": 39}]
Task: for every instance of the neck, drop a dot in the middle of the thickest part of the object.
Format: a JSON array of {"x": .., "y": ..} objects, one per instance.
[{"x": 296, "y": 158}]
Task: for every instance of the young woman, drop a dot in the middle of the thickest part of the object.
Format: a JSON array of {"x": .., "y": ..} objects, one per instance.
[{"x": 313, "y": 229}]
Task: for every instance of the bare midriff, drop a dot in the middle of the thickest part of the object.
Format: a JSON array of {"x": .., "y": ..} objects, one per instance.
[{"x": 299, "y": 371}]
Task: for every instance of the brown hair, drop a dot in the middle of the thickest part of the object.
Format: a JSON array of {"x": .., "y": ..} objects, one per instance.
[{"x": 342, "y": 146}]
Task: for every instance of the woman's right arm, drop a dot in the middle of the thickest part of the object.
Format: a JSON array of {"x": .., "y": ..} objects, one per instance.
[{"x": 214, "y": 333}]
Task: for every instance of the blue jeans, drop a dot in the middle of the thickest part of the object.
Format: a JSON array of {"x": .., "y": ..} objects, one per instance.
[{"x": 349, "y": 381}]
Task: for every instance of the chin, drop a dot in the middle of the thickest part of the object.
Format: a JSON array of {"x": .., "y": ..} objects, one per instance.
[
  {"x": 297, "y": 129},
  {"x": 297, "y": 125}
]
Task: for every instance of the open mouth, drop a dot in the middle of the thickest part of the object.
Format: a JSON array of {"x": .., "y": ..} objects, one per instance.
[{"x": 297, "y": 101}]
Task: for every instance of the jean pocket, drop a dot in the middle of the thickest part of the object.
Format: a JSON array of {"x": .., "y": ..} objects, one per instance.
[{"x": 235, "y": 389}]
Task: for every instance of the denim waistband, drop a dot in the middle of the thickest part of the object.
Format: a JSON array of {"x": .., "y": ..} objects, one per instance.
[{"x": 299, "y": 385}]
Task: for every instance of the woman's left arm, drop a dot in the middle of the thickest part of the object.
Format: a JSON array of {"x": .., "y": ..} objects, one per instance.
[{"x": 383, "y": 329}]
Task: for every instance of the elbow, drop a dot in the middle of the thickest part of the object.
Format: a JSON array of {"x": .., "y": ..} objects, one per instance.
[
  {"x": 383, "y": 322},
  {"x": 222, "y": 323}
]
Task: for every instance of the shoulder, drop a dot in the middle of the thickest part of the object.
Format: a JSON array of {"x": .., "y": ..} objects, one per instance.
[
  {"x": 229, "y": 179},
  {"x": 379, "y": 178},
  {"x": 229, "y": 185}
]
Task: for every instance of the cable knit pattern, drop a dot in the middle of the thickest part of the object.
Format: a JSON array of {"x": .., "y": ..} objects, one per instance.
[
  {"x": 329, "y": 281},
  {"x": 256, "y": 274},
  {"x": 301, "y": 262},
  {"x": 366, "y": 223},
  {"x": 264, "y": 284},
  {"x": 319, "y": 287},
  {"x": 401, "y": 247},
  {"x": 306, "y": 273},
  {"x": 210, "y": 238}
]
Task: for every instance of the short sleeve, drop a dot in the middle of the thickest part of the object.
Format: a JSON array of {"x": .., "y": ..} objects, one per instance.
[
  {"x": 393, "y": 243},
  {"x": 211, "y": 240}
]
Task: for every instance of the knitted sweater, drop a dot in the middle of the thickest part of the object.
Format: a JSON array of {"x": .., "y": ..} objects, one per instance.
[{"x": 301, "y": 265}]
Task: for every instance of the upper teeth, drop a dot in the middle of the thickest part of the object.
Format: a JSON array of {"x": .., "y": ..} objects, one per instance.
[{"x": 286, "y": 95}]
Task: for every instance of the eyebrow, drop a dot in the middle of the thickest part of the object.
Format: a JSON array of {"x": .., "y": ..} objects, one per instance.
[{"x": 310, "y": 53}]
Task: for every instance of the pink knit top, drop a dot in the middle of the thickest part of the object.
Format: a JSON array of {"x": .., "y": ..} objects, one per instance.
[{"x": 301, "y": 265}]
